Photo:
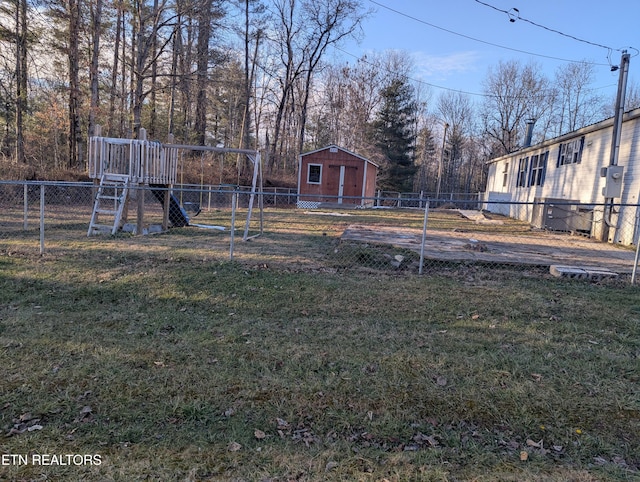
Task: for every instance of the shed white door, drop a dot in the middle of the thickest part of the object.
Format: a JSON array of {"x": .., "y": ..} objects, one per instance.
[{"x": 341, "y": 185}]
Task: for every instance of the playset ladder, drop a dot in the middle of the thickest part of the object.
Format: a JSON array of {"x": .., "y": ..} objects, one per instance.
[{"x": 110, "y": 203}]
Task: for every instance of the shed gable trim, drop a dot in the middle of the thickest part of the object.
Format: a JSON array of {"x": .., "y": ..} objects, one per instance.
[{"x": 334, "y": 148}]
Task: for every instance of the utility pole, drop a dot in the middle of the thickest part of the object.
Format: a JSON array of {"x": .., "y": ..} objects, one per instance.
[
  {"x": 620, "y": 99},
  {"x": 615, "y": 142}
]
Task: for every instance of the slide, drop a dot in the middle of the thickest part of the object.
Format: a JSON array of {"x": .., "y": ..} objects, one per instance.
[{"x": 177, "y": 215}]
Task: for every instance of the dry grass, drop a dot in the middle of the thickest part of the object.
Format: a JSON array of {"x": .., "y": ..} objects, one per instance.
[{"x": 172, "y": 363}]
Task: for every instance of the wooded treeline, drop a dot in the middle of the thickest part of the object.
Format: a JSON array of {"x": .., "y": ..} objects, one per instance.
[{"x": 260, "y": 74}]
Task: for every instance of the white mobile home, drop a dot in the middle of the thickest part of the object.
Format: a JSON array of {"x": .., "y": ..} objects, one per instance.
[{"x": 558, "y": 184}]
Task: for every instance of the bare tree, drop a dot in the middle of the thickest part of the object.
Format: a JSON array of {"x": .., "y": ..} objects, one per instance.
[
  {"x": 68, "y": 17},
  {"x": 73, "y": 39},
  {"x": 305, "y": 29},
  {"x": 113, "y": 91},
  {"x": 513, "y": 94},
  {"x": 579, "y": 104},
  {"x": 331, "y": 21},
  {"x": 149, "y": 42},
  {"x": 252, "y": 35},
  {"x": 456, "y": 110},
  {"x": 632, "y": 98},
  {"x": 631, "y": 101},
  {"x": 96, "y": 33},
  {"x": 363, "y": 98},
  {"x": 202, "y": 65},
  {"x": 348, "y": 96},
  {"x": 21, "y": 34},
  {"x": 176, "y": 52},
  {"x": 426, "y": 160}
]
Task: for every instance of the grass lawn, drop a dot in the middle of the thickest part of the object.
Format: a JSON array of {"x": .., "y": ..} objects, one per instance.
[{"x": 170, "y": 364}]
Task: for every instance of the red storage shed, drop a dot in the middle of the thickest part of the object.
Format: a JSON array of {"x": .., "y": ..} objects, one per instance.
[{"x": 336, "y": 176}]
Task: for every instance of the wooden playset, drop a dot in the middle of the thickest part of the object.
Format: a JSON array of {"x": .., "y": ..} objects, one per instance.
[{"x": 120, "y": 166}]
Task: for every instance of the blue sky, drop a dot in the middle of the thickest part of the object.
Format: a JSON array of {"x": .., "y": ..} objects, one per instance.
[{"x": 454, "y": 42}]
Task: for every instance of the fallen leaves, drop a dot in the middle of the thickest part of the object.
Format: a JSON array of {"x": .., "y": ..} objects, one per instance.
[
  {"x": 282, "y": 424},
  {"x": 616, "y": 460},
  {"x": 234, "y": 447},
  {"x": 428, "y": 440},
  {"x": 25, "y": 423},
  {"x": 298, "y": 433},
  {"x": 538, "y": 445},
  {"x": 524, "y": 450},
  {"x": 421, "y": 441},
  {"x": 330, "y": 466},
  {"x": 85, "y": 415}
]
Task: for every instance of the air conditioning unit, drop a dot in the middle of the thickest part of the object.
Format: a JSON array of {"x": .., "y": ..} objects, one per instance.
[{"x": 562, "y": 215}]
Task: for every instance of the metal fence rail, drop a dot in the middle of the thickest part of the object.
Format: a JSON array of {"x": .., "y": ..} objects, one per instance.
[{"x": 400, "y": 234}]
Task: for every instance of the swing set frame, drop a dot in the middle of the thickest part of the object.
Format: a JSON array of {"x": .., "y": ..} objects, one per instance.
[{"x": 154, "y": 162}]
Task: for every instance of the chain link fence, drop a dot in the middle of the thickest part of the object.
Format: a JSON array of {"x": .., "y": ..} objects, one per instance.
[{"x": 400, "y": 234}]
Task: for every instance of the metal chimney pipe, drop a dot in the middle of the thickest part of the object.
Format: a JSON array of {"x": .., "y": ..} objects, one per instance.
[{"x": 529, "y": 132}]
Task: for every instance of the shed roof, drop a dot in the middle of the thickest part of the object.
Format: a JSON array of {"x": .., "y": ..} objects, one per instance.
[{"x": 341, "y": 149}]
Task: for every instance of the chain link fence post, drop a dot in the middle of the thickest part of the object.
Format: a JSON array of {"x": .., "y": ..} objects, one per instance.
[
  {"x": 25, "y": 196},
  {"x": 234, "y": 203},
  {"x": 42, "y": 200},
  {"x": 424, "y": 236}
]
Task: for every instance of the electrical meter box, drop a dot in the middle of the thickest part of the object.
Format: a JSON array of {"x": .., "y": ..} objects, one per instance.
[{"x": 613, "y": 182}]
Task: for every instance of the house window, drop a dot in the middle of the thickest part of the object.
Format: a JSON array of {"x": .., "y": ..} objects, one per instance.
[
  {"x": 522, "y": 172},
  {"x": 314, "y": 174},
  {"x": 570, "y": 152},
  {"x": 505, "y": 174},
  {"x": 538, "y": 169}
]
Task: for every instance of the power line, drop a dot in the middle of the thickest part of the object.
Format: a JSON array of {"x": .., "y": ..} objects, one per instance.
[
  {"x": 514, "y": 14},
  {"x": 435, "y": 86},
  {"x": 364, "y": 60},
  {"x": 484, "y": 41},
  {"x": 423, "y": 82}
]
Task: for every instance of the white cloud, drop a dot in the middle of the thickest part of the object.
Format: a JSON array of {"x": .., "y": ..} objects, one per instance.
[{"x": 442, "y": 67}]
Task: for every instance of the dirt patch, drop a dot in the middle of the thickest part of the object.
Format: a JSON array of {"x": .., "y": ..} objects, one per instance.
[{"x": 541, "y": 249}]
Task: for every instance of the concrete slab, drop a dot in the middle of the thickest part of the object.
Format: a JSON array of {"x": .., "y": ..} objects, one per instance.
[
  {"x": 534, "y": 248},
  {"x": 578, "y": 272},
  {"x": 478, "y": 217}
]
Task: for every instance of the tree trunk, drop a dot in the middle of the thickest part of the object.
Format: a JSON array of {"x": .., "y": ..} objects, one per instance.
[
  {"x": 154, "y": 78},
  {"x": 21, "y": 77},
  {"x": 202, "y": 77},
  {"x": 246, "y": 122},
  {"x": 114, "y": 73},
  {"x": 74, "y": 86},
  {"x": 123, "y": 76},
  {"x": 186, "y": 60},
  {"x": 177, "y": 42},
  {"x": 303, "y": 110},
  {"x": 93, "y": 72}
]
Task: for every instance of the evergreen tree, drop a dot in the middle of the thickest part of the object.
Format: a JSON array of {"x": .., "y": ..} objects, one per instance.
[{"x": 394, "y": 131}]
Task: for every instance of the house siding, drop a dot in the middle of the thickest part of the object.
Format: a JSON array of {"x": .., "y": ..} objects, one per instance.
[{"x": 580, "y": 182}]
